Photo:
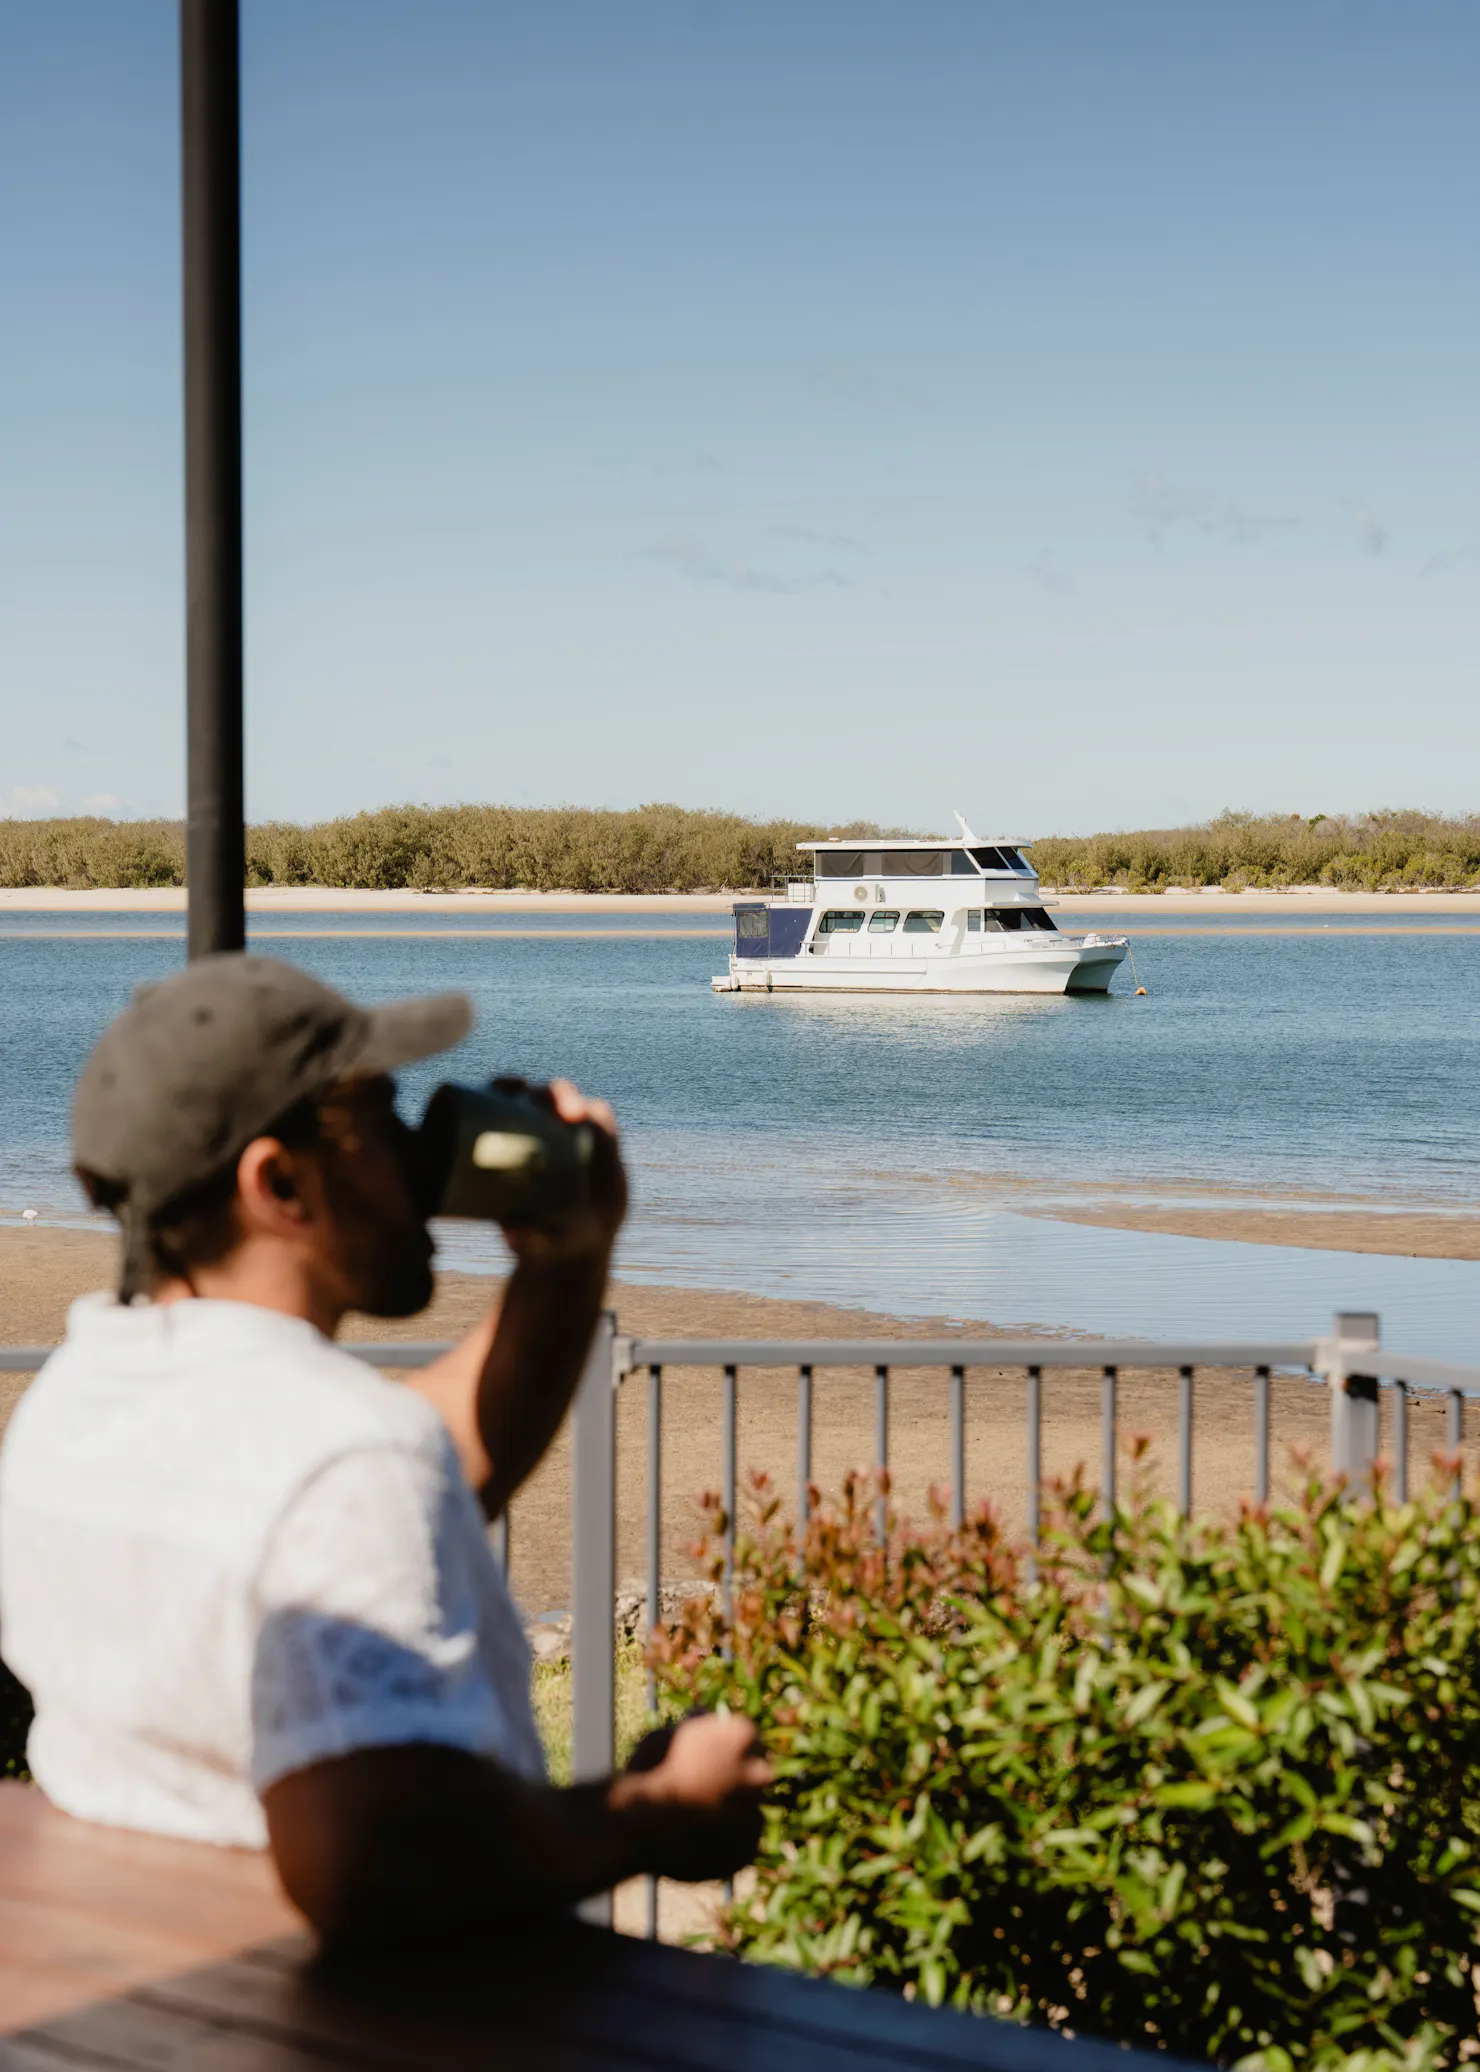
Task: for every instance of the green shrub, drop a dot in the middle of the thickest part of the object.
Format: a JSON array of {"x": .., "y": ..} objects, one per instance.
[
  {"x": 1366, "y": 853},
  {"x": 665, "y": 848},
  {"x": 657, "y": 848},
  {"x": 1204, "y": 1787}
]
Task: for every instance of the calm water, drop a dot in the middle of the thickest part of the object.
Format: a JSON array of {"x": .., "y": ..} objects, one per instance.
[{"x": 881, "y": 1152}]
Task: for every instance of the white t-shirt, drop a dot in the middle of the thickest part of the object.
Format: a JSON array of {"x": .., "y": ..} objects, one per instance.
[{"x": 227, "y": 1551}]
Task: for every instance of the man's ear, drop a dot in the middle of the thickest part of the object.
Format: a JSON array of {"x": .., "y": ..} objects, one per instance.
[{"x": 267, "y": 1185}]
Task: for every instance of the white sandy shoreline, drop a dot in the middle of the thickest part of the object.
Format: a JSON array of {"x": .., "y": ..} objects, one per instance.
[{"x": 320, "y": 899}]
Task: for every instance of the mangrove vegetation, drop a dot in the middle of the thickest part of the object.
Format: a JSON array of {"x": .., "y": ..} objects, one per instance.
[{"x": 663, "y": 848}]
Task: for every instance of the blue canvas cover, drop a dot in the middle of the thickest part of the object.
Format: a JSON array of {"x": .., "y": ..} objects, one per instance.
[
  {"x": 766, "y": 932},
  {"x": 788, "y": 928}
]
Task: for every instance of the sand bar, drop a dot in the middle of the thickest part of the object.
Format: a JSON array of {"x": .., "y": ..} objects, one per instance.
[
  {"x": 318, "y": 899},
  {"x": 1410, "y": 1235}
]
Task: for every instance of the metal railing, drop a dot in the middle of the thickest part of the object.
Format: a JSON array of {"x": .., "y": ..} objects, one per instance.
[{"x": 1352, "y": 1362}]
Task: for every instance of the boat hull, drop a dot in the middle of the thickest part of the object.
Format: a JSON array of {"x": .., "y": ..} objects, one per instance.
[{"x": 1061, "y": 967}]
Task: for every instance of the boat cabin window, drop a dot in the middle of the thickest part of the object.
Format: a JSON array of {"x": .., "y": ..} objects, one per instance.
[
  {"x": 974, "y": 921},
  {"x": 992, "y": 859},
  {"x": 850, "y": 863},
  {"x": 752, "y": 923},
  {"x": 915, "y": 863},
  {"x": 842, "y": 923},
  {"x": 923, "y": 924},
  {"x": 1011, "y": 919},
  {"x": 1014, "y": 860},
  {"x": 882, "y": 922},
  {"x": 962, "y": 865}
]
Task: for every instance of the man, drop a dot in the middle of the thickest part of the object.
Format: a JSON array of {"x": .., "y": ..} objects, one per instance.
[{"x": 245, "y": 1578}]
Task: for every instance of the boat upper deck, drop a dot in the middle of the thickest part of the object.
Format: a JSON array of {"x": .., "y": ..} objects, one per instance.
[{"x": 919, "y": 859}]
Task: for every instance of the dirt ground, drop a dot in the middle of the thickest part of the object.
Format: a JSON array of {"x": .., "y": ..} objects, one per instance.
[{"x": 41, "y": 1271}]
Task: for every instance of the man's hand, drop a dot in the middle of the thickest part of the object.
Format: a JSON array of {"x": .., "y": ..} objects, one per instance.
[
  {"x": 418, "y": 1843},
  {"x": 591, "y": 1233},
  {"x": 504, "y": 1389},
  {"x": 704, "y": 1796}
]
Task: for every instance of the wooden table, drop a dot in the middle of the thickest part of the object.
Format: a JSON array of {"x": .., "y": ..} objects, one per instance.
[{"x": 124, "y": 1951}]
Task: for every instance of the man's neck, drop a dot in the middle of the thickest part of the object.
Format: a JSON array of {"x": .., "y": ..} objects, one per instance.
[{"x": 262, "y": 1277}]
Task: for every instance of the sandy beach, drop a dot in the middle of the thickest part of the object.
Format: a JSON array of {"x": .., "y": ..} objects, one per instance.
[{"x": 1213, "y": 903}]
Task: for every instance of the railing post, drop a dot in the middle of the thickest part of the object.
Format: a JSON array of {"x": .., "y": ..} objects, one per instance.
[
  {"x": 1354, "y": 1419},
  {"x": 593, "y": 1654}
]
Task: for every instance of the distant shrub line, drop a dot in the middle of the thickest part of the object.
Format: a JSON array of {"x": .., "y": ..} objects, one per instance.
[
  {"x": 663, "y": 848},
  {"x": 1376, "y": 852},
  {"x": 434, "y": 848}
]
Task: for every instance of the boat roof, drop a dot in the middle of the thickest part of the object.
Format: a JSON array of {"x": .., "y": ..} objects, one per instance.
[{"x": 918, "y": 842}]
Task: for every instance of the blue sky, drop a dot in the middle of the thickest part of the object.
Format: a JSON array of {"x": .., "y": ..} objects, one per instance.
[{"x": 1066, "y": 411}]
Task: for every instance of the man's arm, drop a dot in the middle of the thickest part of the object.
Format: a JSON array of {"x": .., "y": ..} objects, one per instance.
[
  {"x": 504, "y": 1389},
  {"x": 421, "y": 1842}
]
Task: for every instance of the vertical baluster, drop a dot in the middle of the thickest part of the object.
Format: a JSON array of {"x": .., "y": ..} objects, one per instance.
[
  {"x": 804, "y": 1446},
  {"x": 958, "y": 1445},
  {"x": 881, "y": 1443},
  {"x": 654, "y": 1512},
  {"x": 1261, "y": 1435},
  {"x": 654, "y": 1568},
  {"x": 1107, "y": 1439},
  {"x": 1457, "y": 1434},
  {"x": 1035, "y": 1466},
  {"x": 731, "y": 1498},
  {"x": 1184, "y": 1441},
  {"x": 728, "y": 1493},
  {"x": 1400, "y": 1441}
]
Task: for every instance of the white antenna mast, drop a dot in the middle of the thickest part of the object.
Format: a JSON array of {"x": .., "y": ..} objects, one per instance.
[{"x": 966, "y": 834}]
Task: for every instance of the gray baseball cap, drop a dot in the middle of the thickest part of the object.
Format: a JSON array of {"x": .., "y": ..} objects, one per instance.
[{"x": 199, "y": 1064}]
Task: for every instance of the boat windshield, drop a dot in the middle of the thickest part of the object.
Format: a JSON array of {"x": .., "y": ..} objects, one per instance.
[{"x": 1011, "y": 919}]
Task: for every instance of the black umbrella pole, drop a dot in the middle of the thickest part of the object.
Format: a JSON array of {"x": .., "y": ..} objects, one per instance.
[{"x": 211, "y": 176}]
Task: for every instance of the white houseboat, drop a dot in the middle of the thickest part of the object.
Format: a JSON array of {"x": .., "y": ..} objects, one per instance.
[{"x": 950, "y": 916}]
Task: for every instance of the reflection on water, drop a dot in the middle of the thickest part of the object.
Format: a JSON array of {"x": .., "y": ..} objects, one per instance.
[{"x": 873, "y": 1152}]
